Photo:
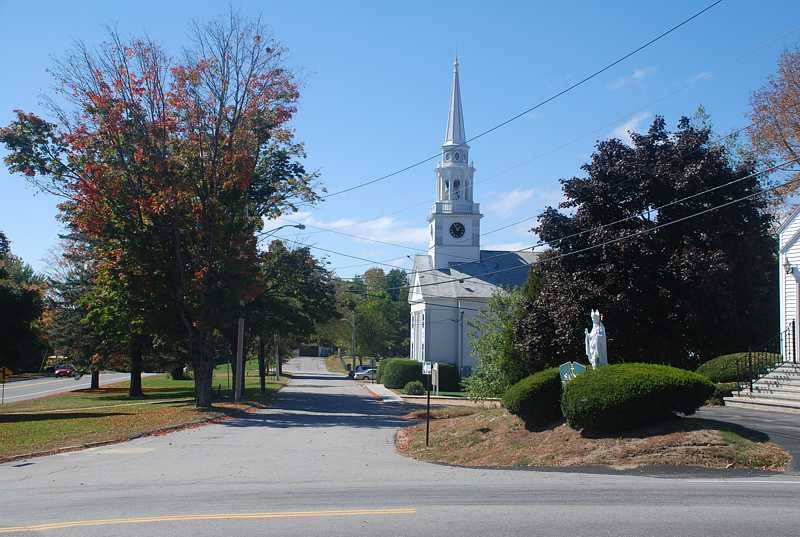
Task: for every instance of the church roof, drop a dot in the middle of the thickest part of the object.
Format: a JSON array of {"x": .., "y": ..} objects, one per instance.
[
  {"x": 496, "y": 270},
  {"x": 455, "y": 117}
]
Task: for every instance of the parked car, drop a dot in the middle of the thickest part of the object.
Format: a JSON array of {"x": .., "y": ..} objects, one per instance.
[
  {"x": 64, "y": 370},
  {"x": 365, "y": 374}
]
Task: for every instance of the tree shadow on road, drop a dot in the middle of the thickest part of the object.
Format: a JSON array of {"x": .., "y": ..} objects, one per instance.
[{"x": 309, "y": 409}]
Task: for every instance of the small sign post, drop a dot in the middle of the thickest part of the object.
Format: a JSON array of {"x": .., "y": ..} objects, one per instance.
[
  {"x": 570, "y": 370},
  {"x": 427, "y": 370}
]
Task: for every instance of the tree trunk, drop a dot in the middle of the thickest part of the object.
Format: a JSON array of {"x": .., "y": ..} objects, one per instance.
[
  {"x": 262, "y": 366},
  {"x": 278, "y": 367},
  {"x": 234, "y": 336},
  {"x": 135, "y": 389},
  {"x": 95, "y": 379},
  {"x": 203, "y": 374}
]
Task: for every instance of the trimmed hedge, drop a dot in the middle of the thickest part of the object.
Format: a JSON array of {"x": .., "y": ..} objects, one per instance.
[
  {"x": 414, "y": 387},
  {"x": 722, "y": 390},
  {"x": 397, "y": 372},
  {"x": 624, "y": 396},
  {"x": 723, "y": 368},
  {"x": 536, "y": 399}
]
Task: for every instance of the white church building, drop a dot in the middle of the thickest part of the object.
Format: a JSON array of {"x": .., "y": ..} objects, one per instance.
[{"x": 453, "y": 282}]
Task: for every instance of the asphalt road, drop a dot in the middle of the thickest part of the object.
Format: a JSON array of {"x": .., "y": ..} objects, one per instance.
[
  {"x": 33, "y": 389},
  {"x": 321, "y": 462}
]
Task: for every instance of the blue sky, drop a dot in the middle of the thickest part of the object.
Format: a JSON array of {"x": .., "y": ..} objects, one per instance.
[{"x": 375, "y": 82}]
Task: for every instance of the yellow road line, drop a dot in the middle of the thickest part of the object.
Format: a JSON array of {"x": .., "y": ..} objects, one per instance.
[{"x": 211, "y": 516}]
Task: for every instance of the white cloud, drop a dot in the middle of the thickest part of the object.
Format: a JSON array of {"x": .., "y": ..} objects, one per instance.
[
  {"x": 703, "y": 75},
  {"x": 385, "y": 228},
  {"x": 637, "y": 74},
  {"x": 505, "y": 203},
  {"x": 632, "y": 125}
]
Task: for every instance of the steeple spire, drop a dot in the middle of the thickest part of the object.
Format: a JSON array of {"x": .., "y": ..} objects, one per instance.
[{"x": 455, "y": 117}]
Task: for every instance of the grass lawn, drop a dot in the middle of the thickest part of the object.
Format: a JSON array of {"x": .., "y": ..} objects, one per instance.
[
  {"x": 493, "y": 437},
  {"x": 108, "y": 414}
]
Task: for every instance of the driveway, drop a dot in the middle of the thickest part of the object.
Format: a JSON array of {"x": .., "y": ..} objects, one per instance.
[{"x": 322, "y": 462}]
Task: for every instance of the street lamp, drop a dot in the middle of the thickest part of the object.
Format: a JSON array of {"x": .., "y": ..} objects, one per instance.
[{"x": 269, "y": 232}]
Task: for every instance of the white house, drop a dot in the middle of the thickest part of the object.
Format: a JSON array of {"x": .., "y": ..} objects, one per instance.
[
  {"x": 789, "y": 260},
  {"x": 454, "y": 281}
]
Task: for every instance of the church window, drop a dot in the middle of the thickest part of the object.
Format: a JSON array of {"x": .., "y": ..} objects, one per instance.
[{"x": 456, "y": 189}]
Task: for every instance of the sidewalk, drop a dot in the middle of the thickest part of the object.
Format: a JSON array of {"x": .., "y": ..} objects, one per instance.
[{"x": 386, "y": 395}]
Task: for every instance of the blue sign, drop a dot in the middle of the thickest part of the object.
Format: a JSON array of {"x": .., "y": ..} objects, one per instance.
[{"x": 570, "y": 370}]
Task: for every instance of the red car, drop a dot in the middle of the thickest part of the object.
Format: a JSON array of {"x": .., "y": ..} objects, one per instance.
[{"x": 64, "y": 371}]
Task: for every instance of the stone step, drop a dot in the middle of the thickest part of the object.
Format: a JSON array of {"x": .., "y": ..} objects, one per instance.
[
  {"x": 782, "y": 395},
  {"x": 767, "y": 381},
  {"x": 757, "y": 403},
  {"x": 758, "y": 387}
]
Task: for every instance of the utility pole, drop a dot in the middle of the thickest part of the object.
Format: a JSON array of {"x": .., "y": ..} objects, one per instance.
[
  {"x": 354, "y": 340},
  {"x": 238, "y": 381},
  {"x": 277, "y": 357}
]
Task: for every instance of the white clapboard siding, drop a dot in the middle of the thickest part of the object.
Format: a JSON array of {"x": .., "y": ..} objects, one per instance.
[{"x": 790, "y": 250}]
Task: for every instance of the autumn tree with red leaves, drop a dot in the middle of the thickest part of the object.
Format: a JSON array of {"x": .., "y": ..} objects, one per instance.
[{"x": 168, "y": 169}]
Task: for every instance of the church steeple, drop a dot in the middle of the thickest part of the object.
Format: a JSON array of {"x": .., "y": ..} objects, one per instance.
[
  {"x": 455, "y": 117},
  {"x": 454, "y": 218}
]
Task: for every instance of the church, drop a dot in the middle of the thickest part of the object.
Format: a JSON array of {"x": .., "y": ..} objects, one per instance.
[{"x": 453, "y": 282}]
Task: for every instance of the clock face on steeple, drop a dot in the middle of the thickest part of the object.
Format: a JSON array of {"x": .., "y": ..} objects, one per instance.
[{"x": 457, "y": 230}]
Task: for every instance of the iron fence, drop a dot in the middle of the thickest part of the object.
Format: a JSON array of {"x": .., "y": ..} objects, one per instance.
[{"x": 758, "y": 362}]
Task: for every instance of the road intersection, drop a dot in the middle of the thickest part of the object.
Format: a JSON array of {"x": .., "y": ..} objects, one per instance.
[{"x": 321, "y": 461}]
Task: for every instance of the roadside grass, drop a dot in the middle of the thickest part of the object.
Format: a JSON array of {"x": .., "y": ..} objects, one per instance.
[
  {"x": 494, "y": 438},
  {"x": 108, "y": 414}
]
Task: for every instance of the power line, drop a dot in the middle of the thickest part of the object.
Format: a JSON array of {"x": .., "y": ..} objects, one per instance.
[
  {"x": 611, "y": 241},
  {"x": 624, "y": 181},
  {"x": 559, "y": 239},
  {"x": 531, "y": 108},
  {"x": 456, "y": 265}
]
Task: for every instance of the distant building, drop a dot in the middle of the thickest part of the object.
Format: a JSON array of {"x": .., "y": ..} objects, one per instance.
[{"x": 454, "y": 281}]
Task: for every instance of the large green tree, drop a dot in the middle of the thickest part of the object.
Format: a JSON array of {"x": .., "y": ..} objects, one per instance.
[
  {"x": 21, "y": 304},
  {"x": 168, "y": 169},
  {"x": 679, "y": 294}
]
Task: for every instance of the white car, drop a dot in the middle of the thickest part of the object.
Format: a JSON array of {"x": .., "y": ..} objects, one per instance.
[{"x": 365, "y": 374}]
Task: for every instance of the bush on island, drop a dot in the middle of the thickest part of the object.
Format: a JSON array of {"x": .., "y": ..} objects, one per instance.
[
  {"x": 414, "y": 387},
  {"x": 536, "y": 399},
  {"x": 624, "y": 396},
  {"x": 733, "y": 367}
]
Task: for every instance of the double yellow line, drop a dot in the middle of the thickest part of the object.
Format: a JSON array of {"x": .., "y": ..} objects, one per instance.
[{"x": 211, "y": 516}]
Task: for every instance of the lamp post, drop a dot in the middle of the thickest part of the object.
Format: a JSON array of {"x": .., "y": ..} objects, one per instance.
[{"x": 265, "y": 234}]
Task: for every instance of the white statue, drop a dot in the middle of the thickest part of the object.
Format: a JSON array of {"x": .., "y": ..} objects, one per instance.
[{"x": 596, "y": 342}]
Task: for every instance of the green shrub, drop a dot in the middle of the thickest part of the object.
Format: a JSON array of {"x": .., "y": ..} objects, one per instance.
[
  {"x": 414, "y": 387},
  {"x": 724, "y": 368},
  {"x": 722, "y": 390},
  {"x": 624, "y": 396},
  {"x": 397, "y": 372},
  {"x": 536, "y": 399}
]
